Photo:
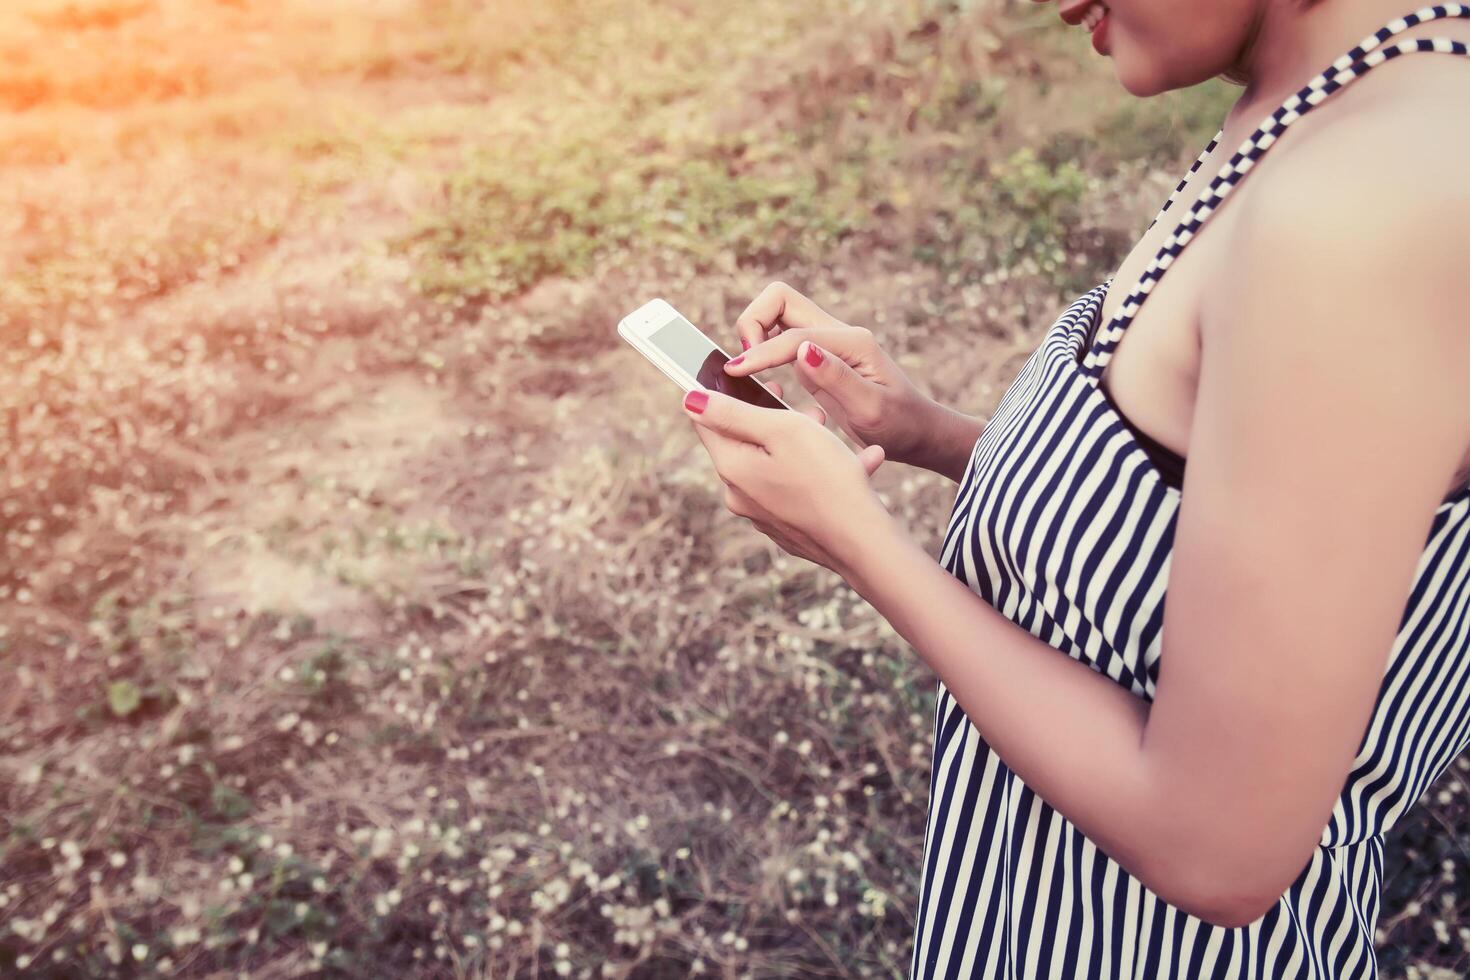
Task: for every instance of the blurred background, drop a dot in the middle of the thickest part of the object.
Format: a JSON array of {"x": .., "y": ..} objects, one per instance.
[{"x": 367, "y": 606}]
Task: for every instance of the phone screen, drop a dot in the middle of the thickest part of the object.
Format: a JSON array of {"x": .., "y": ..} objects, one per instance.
[{"x": 681, "y": 342}]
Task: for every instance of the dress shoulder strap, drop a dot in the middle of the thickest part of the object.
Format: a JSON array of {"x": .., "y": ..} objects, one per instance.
[
  {"x": 1209, "y": 148},
  {"x": 1353, "y": 64}
]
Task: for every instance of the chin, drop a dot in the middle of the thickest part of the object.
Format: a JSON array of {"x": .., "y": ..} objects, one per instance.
[
  {"x": 1140, "y": 83},
  {"x": 1144, "y": 73},
  {"x": 1143, "y": 76}
]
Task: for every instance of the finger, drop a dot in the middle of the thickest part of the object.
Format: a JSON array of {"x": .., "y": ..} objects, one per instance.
[
  {"x": 778, "y": 306},
  {"x": 853, "y": 343},
  {"x": 735, "y": 419},
  {"x": 732, "y": 503},
  {"x": 825, "y": 371},
  {"x": 871, "y": 457},
  {"x": 811, "y": 411},
  {"x": 739, "y": 503},
  {"x": 828, "y": 405}
]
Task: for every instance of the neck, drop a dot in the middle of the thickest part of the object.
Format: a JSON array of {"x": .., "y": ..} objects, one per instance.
[{"x": 1286, "y": 45}]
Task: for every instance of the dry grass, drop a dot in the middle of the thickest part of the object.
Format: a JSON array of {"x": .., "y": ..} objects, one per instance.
[{"x": 367, "y": 607}]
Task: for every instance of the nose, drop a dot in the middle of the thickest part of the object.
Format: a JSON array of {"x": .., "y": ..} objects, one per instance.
[{"x": 1069, "y": 10}]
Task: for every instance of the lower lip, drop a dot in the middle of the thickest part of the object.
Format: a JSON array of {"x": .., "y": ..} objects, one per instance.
[{"x": 1100, "y": 36}]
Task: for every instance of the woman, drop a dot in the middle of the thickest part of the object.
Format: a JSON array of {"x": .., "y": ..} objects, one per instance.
[{"x": 1091, "y": 813}]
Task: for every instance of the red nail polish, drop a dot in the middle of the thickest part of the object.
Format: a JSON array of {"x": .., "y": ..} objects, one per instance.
[
  {"x": 736, "y": 359},
  {"x": 744, "y": 345},
  {"x": 813, "y": 355},
  {"x": 695, "y": 400}
]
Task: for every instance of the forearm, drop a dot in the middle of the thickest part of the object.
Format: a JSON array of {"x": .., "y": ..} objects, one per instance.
[
  {"x": 1073, "y": 735},
  {"x": 951, "y": 438}
]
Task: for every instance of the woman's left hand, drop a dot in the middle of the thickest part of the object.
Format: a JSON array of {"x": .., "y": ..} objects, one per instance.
[{"x": 790, "y": 476}]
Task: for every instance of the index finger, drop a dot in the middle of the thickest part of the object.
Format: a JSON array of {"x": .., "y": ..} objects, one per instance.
[
  {"x": 778, "y": 305},
  {"x": 781, "y": 349}
]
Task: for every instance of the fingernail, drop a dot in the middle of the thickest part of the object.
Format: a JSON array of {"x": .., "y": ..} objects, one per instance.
[
  {"x": 744, "y": 345},
  {"x": 813, "y": 354},
  {"x": 695, "y": 400},
  {"x": 735, "y": 360}
]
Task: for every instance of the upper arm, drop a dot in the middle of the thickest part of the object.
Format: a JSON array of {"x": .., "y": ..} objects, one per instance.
[{"x": 1329, "y": 420}]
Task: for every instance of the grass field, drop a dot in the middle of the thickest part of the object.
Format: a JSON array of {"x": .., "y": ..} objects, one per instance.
[{"x": 367, "y": 607}]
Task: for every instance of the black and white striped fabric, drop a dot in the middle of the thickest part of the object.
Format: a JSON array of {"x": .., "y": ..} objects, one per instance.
[{"x": 1062, "y": 524}]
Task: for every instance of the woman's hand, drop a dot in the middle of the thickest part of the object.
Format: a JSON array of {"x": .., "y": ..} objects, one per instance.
[
  {"x": 853, "y": 380},
  {"x": 791, "y": 477}
]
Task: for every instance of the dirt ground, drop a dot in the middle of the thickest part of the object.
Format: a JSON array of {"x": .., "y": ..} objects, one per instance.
[{"x": 366, "y": 604}]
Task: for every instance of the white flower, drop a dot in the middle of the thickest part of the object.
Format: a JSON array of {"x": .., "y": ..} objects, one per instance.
[{"x": 185, "y": 936}]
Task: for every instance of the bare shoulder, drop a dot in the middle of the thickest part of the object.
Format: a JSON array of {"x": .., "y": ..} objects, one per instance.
[
  {"x": 1395, "y": 160},
  {"x": 1407, "y": 113},
  {"x": 1344, "y": 265},
  {"x": 1352, "y": 246},
  {"x": 1372, "y": 201}
]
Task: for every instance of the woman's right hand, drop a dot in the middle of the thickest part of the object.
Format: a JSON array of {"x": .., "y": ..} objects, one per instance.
[{"x": 853, "y": 380}]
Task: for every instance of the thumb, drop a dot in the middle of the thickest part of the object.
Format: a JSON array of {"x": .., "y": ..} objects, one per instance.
[
  {"x": 871, "y": 457},
  {"x": 822, "y": 371},
  {"x": 733, "y": 418}
]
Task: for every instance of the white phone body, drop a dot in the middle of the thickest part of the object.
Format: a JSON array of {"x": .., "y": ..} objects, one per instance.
[{"x": 680, "y": 350}]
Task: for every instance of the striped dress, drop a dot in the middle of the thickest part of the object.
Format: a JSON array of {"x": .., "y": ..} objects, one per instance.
[{"x": 1064, "y": 524}]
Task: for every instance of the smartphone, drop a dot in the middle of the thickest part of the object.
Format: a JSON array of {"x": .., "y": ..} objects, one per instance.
[{"x": 681, "y": 350}]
